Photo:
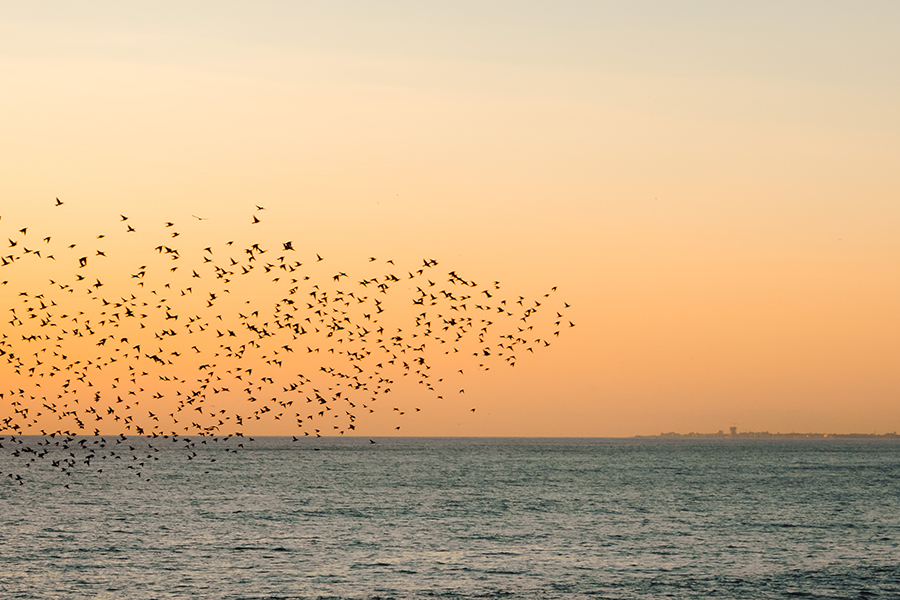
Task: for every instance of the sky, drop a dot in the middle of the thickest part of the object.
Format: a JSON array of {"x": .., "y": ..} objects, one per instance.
[{"x": 712, "y": 187}]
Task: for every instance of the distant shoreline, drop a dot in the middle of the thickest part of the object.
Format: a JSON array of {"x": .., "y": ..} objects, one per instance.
[{"x": 756, "y": 435}]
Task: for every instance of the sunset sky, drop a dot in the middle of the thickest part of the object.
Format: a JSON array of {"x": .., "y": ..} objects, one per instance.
[{"x": 713, "y": 187}]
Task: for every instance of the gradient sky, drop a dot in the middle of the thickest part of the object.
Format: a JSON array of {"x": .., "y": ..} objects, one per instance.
[{"x": 712, "y": 186}]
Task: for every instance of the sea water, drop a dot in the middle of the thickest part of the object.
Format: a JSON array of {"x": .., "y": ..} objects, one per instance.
[{"x": 452, "y": 518}]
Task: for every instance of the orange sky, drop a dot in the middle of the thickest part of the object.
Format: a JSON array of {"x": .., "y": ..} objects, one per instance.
[{"x": 713, "y": 188}]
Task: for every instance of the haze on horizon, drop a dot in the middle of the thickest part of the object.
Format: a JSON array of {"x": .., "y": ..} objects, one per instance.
[{"x": 712, "y": 187}]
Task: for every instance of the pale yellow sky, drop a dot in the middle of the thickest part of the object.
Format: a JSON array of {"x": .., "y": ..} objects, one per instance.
[{"x": 713, "y": 188}]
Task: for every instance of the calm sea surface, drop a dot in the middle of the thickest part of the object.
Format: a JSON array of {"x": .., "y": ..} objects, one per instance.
[{"x": 453, "y": 518}]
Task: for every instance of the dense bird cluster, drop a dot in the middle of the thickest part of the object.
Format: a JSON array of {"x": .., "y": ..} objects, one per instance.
[{"x": 178, "y": 338}]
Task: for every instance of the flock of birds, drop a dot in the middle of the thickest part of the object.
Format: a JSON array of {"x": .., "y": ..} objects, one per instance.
[{"x": 200, "y": 341}]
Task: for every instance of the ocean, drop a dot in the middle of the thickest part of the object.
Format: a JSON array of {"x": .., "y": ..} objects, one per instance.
[{"x": 450, "y": 518}]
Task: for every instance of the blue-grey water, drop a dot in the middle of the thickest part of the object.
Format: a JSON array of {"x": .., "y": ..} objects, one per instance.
[{"x": 452, "y": 518}]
